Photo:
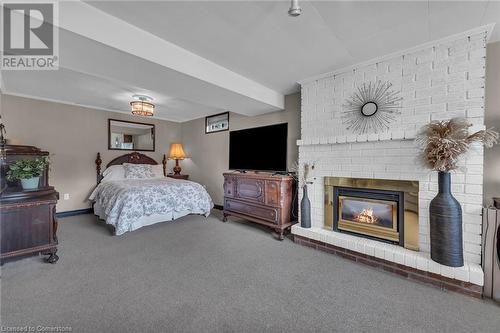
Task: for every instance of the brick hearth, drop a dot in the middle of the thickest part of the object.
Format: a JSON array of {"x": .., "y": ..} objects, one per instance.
[{"x": 417, "y": 275}]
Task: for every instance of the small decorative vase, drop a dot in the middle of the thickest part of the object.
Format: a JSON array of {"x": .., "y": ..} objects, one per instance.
[
  {"x": 30, "y": 183},
  {"x": 305, "y": 209},
  {"x": 446, "y": 225}
]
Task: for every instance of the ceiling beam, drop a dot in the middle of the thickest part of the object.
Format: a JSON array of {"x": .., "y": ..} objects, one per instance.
[{"x": 90, "y": 22}]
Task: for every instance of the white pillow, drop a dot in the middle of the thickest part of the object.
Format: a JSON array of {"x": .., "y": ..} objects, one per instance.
[
  {"x": 117, "y": 172},
  {"x": 114, "y": 172},
  {"x": 138, "y": 171},
  {"x": 158, "y": 170}
]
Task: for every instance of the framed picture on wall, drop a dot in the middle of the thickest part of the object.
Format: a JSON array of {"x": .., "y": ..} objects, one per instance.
[{"x": 217, "y": 123}]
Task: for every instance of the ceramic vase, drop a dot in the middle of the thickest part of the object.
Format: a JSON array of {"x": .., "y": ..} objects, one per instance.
[
  {"x": 446, "y": 225},
  {"x": 305, "y": 209}
]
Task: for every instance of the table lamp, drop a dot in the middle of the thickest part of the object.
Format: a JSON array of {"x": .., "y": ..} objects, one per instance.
[{"x": 176, "y": 153}]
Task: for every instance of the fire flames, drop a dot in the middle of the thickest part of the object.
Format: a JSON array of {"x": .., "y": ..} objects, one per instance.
[{"x": 366, "y": 216}]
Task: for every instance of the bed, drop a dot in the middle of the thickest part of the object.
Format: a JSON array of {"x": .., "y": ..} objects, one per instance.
[{"x": 130, "y": 201}]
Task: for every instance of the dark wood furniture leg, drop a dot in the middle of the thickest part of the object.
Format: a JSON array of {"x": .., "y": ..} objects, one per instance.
[
  {"x": 55, "y": 224},
  {"x": 53, "y": 257},
  {"x": 280, "y": 232},
  {"x": 164, "y": 162}
]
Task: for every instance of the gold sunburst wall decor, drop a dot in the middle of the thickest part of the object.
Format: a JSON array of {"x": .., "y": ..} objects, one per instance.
[{"x": 371, "y": 108}]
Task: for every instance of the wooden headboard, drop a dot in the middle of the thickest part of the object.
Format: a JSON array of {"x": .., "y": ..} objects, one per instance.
[{"x": 134, "y": 158}]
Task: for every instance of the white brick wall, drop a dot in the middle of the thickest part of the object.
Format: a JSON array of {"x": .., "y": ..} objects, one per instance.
[{"x": 437, "y": 82}]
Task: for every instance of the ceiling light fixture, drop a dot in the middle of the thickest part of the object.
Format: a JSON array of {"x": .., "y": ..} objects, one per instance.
[
  {"x": 295, "y": 9},
  {"x": 142, "y": 106}
]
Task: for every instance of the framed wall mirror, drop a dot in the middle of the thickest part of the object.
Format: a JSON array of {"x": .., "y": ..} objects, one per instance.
[{"x": 130, "y": 135}]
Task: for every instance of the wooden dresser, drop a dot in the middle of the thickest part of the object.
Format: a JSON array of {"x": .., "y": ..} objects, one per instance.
[
  {"x": 261, "y": 198},
  {"x": 28, "y": 223}
]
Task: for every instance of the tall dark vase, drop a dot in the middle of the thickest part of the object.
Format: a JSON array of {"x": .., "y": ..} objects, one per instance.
[
  {"x": 305, "y": 209},
  {"x": 446, "y": 225}
]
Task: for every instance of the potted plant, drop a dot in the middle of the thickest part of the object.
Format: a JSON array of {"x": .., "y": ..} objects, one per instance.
[
  {"x": 442, "y": 144},
  {"x": 28, "y": 172}
]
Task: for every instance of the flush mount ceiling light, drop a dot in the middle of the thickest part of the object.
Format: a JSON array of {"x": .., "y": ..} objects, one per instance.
[
  {"x": 295, "y": 9},
  {"x": 142, "y": 106}
]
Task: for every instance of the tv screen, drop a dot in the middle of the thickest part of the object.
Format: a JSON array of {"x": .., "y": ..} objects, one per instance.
[{"x": 260, "y": 148}]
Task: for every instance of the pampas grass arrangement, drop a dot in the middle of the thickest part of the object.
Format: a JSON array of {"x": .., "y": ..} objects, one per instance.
[
  {"x": 443, "y": 142},
  {"x": 308, "y": 168}
]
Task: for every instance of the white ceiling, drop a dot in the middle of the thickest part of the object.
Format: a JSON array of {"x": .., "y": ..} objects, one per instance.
[
  {"x": 250, "y": 53},
  {"x": 92, "y": 91}
]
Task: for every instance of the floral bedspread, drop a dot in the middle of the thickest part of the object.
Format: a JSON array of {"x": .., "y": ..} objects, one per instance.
[{"x": 124, "y": 201}]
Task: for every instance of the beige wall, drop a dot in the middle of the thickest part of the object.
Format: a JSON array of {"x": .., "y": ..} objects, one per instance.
[
  {"x": 491, "y": 178},
  {"x": 209, "y": 153},
  {"x": 73, "y": 135}
]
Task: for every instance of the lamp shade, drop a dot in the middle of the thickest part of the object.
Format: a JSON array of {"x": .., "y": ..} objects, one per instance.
[{"x": 176, "y": 152}]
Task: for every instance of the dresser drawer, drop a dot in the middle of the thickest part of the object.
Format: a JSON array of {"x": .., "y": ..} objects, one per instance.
[
  {"x": 229, "y": 187},
  {"x": 270, "y": 214},
  {"x": 250, "y": 189}
]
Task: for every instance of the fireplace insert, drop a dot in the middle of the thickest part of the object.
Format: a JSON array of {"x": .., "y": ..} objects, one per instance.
[
  {"x": 371, "y": 213},
  {"x": 382, "y": 209}
]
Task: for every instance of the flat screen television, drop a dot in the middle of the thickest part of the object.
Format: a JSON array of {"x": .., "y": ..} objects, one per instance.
[{"x": 260, "y": 148}]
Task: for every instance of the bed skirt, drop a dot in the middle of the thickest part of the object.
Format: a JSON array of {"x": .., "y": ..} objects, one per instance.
[{"x": 147, "y": 220}]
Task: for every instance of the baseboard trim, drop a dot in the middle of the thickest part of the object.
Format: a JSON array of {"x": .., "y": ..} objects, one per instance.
[
  {"x": 219, "y": 207},
  {"x": 75, "y": 212}
]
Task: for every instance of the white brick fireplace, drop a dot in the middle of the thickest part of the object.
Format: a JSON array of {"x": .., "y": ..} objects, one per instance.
[{"x": 437, "y": 81}]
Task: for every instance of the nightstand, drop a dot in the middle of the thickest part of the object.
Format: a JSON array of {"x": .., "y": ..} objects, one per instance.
[{"x": 171, "y": 175}]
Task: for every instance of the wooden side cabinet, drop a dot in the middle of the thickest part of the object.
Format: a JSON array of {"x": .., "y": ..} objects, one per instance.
[
  {"x": 261, "y": 198},
  {"x": 28, "y": 223}
]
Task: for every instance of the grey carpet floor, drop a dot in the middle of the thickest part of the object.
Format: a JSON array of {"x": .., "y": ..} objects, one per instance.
[{"x": 202, "y": 275}]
